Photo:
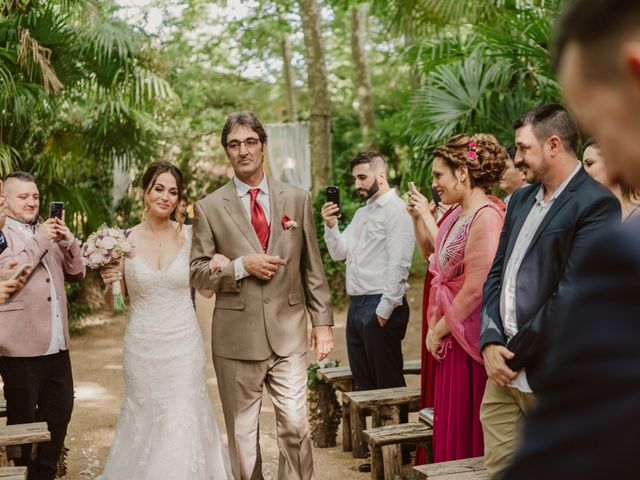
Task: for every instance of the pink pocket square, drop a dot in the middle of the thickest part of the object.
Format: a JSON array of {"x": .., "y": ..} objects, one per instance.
[{"x": 288, "y": 224}]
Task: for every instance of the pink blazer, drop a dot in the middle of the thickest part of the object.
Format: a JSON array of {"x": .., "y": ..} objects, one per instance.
[{"x": 25, "y": 320}]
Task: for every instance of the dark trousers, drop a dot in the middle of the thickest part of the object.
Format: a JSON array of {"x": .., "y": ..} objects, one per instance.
[
  {"x": 375, "y": 352},
  {"x": 39, "y": 389}
]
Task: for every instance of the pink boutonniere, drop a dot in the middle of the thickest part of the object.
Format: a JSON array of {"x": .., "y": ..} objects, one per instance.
[{"x": 288, "y": 224}]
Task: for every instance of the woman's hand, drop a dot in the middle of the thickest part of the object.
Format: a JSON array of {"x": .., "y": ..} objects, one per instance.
[
  {"x": 433, "y": 344},
  {"x": 218, "y": 262},
  {"x": 419, "y": 205},
  {"x": 111, "y": 274}
]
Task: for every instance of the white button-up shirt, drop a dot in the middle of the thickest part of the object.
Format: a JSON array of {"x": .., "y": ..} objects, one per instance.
[
  {"x": 245, "y": 198},
  {"x": 508, "y": 293},
  {"x": 378, "y": 247},
  {"x": 58, "y": 341}
]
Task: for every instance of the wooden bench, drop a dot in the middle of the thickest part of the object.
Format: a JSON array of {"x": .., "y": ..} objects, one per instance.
[
  {"x": 384, "y": 407},
  {"x": 386, "y": 458},
  {"x": 13, "y": 473},
  {"x": 342, "y": 379},
  {"x": 468, "y": 469},
  {"x": 19, "y": 434}
]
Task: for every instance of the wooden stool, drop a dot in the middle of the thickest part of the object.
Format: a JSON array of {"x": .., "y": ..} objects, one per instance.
[
  {"x": 342, "y": 378},
  {"x": 386, "y": 464},
  {"x": 467, "y": 469},
  {"x": 384, "y": 405},
  {"x": 13, "y": 473},
  {"x": 19, "y": 434}
]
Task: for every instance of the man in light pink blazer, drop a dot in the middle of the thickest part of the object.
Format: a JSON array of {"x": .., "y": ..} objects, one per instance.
[{"x": 34, "y": 333}]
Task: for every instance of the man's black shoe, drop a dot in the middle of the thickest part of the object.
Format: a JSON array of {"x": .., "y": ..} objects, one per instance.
[{"x": 364, "y": 468}]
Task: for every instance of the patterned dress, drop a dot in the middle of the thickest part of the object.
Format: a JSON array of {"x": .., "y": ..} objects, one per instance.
[{"x": 464, "y": 252}]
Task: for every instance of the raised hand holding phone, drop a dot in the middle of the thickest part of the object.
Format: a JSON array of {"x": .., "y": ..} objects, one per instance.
[{"x": 331, "y": 209}]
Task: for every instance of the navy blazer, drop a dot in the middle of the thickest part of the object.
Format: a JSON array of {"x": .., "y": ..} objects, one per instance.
[
  {"x": 584, "y": 209},
  {"x": 585, "y": 424}
]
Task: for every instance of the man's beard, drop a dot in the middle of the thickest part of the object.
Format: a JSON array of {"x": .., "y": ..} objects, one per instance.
[{"x": 370, "y": 192}]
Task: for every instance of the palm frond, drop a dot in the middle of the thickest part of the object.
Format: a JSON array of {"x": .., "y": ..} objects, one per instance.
[
  {"x": 31, "y": 54},
  {"x": 112, "y": 41},
  {"x": 9, "y": 158}
]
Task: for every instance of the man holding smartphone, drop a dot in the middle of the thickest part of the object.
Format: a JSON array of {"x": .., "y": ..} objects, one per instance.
[
  {"x": 34, "y": 338},
  {"x": 377, "y": 246}
]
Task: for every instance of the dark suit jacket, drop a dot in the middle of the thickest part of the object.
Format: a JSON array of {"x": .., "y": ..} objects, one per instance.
[
  {"x": 547, "y": 273},
  {"x": 586, "y": 423}
]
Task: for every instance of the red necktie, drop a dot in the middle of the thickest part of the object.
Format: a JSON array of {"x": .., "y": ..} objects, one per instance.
[{"x": 258, "y": 219}]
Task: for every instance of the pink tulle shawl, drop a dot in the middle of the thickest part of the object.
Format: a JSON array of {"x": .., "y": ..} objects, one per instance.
[{"x": 456, "y": 289}]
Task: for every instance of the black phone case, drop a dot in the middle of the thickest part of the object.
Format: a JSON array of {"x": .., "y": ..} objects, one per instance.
[
  {"x": 55, "y": 210},
  {"x": 333, "y": 195}
]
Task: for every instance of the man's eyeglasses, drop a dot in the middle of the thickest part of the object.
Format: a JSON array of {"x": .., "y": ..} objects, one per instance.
[{"x": 234, "y": 146}]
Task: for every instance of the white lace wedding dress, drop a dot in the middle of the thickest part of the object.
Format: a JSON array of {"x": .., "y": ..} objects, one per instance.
[{"x": 166, "y": 429}]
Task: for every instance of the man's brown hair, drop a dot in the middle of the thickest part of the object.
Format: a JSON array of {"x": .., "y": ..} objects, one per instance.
[{"x": 598, "y": 27}]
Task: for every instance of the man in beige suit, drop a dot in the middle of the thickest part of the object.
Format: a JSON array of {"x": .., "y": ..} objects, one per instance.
[{"x": 259, "y": 332}]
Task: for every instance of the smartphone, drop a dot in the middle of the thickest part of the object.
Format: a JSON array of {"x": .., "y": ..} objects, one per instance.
[
  {"x": 412, "y": 187},
  {"x": 55, "y": 210},
  {"x": 333, "y": 195},
  {"x": 435, "y": 196},
  {"x": 19, "y": 271}
]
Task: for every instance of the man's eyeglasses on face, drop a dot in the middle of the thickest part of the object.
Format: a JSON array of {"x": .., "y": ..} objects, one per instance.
[{"x": 250, "y": 143}]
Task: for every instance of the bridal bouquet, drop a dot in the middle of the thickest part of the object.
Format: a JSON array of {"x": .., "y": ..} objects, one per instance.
[{"x": 108, "y": 246}]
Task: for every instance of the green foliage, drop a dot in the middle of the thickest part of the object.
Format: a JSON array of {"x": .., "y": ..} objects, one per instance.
[
  {"x": 480, "y": 77},
  {"x": 79, "y": 91},
  {"x": 312, "y": 371},
  {"x": 77, "y": 308}
]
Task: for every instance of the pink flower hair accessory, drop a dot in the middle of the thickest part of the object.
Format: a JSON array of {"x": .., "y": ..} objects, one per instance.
[{"x": 472, "y": 150}]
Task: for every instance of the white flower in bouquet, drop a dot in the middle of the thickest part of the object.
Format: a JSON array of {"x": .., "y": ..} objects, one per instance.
[{"x": 108, "y": 246}]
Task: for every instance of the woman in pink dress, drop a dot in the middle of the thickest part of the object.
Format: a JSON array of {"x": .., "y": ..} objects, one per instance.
[{"x": 464, "y": 171}]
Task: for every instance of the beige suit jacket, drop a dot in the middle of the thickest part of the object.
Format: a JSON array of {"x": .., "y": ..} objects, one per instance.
[{"x": 254, "y": 318}]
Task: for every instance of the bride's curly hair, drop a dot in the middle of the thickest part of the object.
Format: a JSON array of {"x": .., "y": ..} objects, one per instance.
[{"x": 483, "y": 156}]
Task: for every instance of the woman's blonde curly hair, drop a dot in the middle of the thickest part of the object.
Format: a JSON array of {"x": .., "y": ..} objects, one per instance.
[{"x": 485, "y": 167}]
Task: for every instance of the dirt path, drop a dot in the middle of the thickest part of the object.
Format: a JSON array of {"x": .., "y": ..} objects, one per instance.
[{"x": 97, "y": 365}]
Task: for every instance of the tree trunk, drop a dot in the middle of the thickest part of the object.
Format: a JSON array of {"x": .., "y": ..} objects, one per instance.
[
  {"x": 289, "y": 79},
  {"x": 410, "y": 42},
  {"x": 362, "y": 74},
  {"x": 320, "y": 113},
  {"x": 324, "y": 415}
]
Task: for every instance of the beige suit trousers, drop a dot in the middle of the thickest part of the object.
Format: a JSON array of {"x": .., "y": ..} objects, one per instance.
[
  {"x": 502, "y": 415},
  {"x": 241, "y": 383}
]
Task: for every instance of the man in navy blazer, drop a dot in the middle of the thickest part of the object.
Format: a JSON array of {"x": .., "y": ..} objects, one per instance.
[
  {"x": 586, "y": 423},
  {"x": 548, "y": 226}
]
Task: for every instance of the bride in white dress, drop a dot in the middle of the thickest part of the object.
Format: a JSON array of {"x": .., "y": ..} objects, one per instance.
[{"x": 166, "y": 429}]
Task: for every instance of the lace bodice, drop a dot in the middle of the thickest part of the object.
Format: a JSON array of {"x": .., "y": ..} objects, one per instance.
[{"x": 159, "y": 291}]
